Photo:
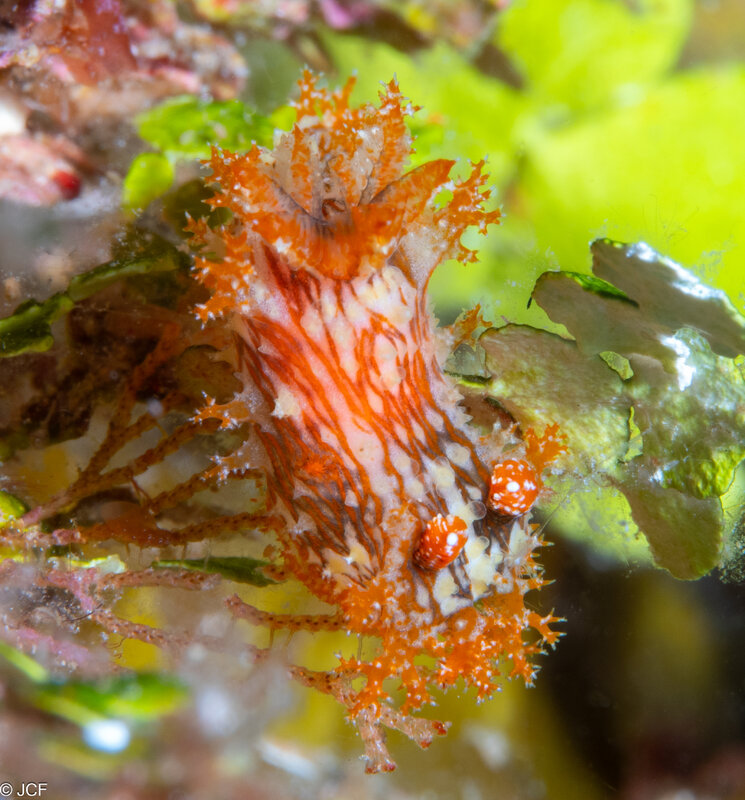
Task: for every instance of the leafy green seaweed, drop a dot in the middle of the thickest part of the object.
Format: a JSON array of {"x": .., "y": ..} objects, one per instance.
[
  {"x": 30, "y": 667},
  {"x": 692, "y": 422},
  {"x": 235, "y": 568},
  {"x": 670, "y": 295},
  {"x": 528, "y": 366},
  {"x": 132, "y": 696},
  {"x": 28, "y": 328},
  {"x": 647, "y": 395},
  {"x": 187, "y": 128},
  {"x": 138, "y": 696},
  {"x": 607, "y": 322},
  {"x": 655, "y": 298},
  {"x": 684, "y": 532},
  {"x": 149, "y": 176},
  {"x": 10, "y": 507}
]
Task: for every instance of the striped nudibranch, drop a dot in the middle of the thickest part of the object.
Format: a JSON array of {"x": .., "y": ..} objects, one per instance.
[{"x": 321, "y": 273}]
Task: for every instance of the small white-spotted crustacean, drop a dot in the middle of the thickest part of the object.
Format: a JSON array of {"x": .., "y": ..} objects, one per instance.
[
  {"x": 514, "y": 487},
  {"x": 441, "y": 543},
  {"x": 516, "y": 484}
]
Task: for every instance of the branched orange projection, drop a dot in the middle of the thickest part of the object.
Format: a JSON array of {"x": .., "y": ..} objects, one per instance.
[
  {"x": 322, "y": 274},
  {"x": 377, "y": 485}
]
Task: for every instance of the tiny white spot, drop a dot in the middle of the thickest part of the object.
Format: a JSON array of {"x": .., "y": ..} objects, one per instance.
[{"x": 108, "y": 735}]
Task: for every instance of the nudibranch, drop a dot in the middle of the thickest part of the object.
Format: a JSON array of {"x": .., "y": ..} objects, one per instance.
[{"x": 382, "y": 484}]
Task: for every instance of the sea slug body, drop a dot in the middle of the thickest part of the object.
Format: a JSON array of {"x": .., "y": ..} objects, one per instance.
[{"x": 321, "y": 273}]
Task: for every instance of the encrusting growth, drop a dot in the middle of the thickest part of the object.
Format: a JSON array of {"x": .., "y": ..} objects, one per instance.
[{"x": 386, "y": 501}]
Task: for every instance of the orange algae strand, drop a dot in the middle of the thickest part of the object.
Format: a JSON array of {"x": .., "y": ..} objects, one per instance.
[{"x": 322, "y": 278}]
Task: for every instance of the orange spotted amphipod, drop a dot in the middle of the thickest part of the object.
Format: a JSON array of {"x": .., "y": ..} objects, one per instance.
[
  {"x": 441, "y": 543},
  {"x": 516, "y": 483},
  {"x": 514, "y": 487}
]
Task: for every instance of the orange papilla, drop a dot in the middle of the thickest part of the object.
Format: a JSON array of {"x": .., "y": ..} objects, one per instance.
[
  {"x": 396, "y": 140},
  {"x": 466, "y": 210},
  {"x": 343, "y": 125},
  {"x": 335, "y": 247},
  {"x": 467, "y": 323},
  {"x": 542, "y": 450},
  {"x": 313, "y": 101},
  {"x": 467, "y": 646}
]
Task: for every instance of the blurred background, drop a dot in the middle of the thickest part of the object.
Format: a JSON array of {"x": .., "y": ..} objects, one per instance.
[{"x": 617, "y": 118}]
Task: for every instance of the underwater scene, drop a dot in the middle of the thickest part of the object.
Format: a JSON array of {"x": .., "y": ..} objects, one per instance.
[{"x": 372, "y": 399}]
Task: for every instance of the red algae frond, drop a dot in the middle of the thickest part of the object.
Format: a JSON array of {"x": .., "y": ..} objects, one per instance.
[{"x": 370, "y": 462}]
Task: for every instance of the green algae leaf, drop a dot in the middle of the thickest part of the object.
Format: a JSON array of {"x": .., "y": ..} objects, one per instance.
[
  {"x": 186, "y": 128},
  {"x": 581, "y": 54},
  {"x": 684, "y": 532},
  {"x": 234, "y": 568},
  {"x": 158, "y": 256},
  {"x": 670, "y": 295},
  {"x": 541, "y": 378},
  {"x": 692, "y": 422},
  {"x": 687, "y": 399},
  {"x": 686, "y": 394},
  {"x": 137, "y": 696},
  {"x": 654, "y": 298},
  {"x": 30, "y": 667},
  {"x": 651, "y": 404},
  {"x": 149, "y": 176},
  {"x": 28, "y": 328},
  {"x": 142, "y": 696},
  {"x": 692, "y": 429},
  {"x": 599, "y": 320},
  {"x": 10, "y": 507}
]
